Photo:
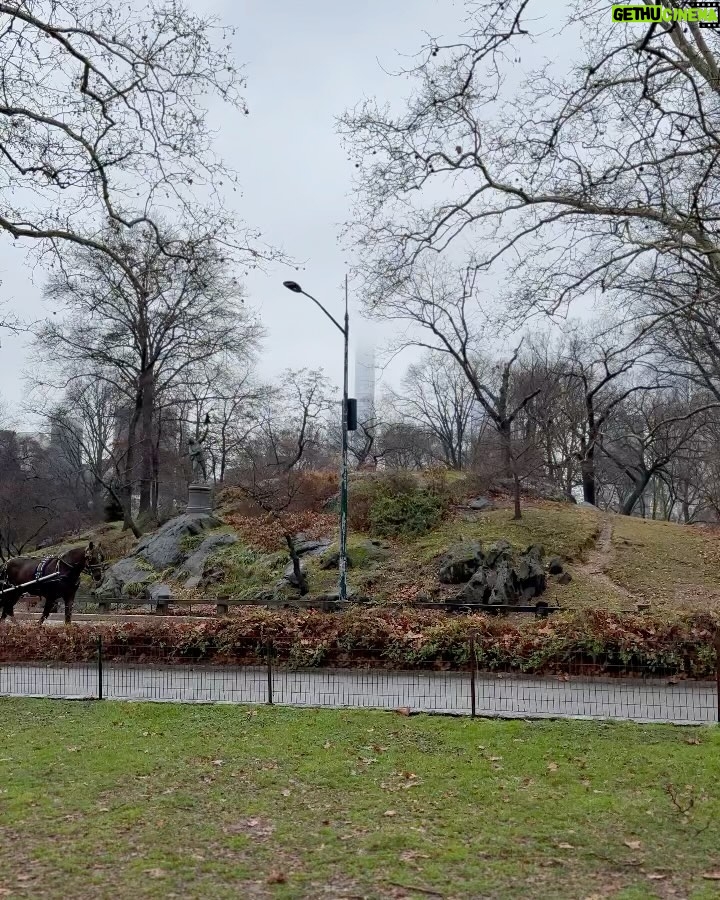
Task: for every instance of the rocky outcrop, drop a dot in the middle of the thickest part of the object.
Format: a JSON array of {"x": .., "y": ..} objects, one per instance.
[
  {"x": 160, "y": 551},
  {"x": 305, "y": 546},
  {"x": 164, "y": 548},
  {"x": 460, "y": 563},
  {"x": 332, "y": 561},
  {"x": 193, "y": 568},
  {"x": 125, "y": 572},
  {"x": 497, "y": 577}
]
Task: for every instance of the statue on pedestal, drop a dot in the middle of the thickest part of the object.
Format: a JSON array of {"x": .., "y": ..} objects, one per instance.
[{"x": 198, "y": 457}]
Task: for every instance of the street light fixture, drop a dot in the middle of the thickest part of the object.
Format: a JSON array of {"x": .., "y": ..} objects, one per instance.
[{"x": 296, "y": 289}]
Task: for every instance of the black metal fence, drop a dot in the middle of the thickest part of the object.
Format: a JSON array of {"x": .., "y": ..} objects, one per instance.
[{"x": 152, "y": 673}]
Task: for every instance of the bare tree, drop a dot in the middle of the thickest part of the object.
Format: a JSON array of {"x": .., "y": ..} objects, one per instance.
[
  {"x": 595, "y": 367},
  {"x": 278, "y": 449},
  {"x": 436, "y": 394},
  {"x": 227, "y": 390},
  {"x": 100, "y": 118},
  {"x": 88, "y": 417},
  {"x": 33, "y": 502},
  {"x": 143, "y": 341},
  {"x": 582, "y": 170},
  {"x": 442, "y": 304},
  {"x": 651, "y": 431}
]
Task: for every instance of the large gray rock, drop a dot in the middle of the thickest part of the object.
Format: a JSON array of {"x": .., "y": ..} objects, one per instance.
[
  {"x": 491, "y": 585},
  {"x": 332, "y": 561},
  {"x": 530, "y": 574},
  {"x": 375, "y": 549},
  {"x": 193, "y": 568},
  {"x": 159, "y": 594},
  {"x": 165, "y": 547},
  {"x": 482, "y": 504},
  {"x": 155, "y": 553},
  {"x": 503, "y": 583},
  {"x": 305, "y": 546},
  {"x": 289, "y": 573},
  {"x": 500, "y": 550},
  {"x": 460, "y": 563},
  {"x": 126, "y": 572},
  {"x": 505, "y": 578}
]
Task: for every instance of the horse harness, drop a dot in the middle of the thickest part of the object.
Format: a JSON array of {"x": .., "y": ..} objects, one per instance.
[{"x": 45, "y": 568}]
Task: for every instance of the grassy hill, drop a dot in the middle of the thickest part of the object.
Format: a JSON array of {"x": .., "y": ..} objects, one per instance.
[{"x": 615, "y": 562}]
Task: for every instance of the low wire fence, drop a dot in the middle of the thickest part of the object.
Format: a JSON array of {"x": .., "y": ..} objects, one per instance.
[{"x": 152, "y": 673}]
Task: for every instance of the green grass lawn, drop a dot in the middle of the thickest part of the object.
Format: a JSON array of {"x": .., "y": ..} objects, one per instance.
[{"x": 111, "y": 800}]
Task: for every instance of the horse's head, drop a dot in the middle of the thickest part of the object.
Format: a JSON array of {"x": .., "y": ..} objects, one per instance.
[{"x": 94, "y": 562}]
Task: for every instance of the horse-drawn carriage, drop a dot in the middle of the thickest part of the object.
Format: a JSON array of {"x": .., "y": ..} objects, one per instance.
[{"x": 54, "y": 578}]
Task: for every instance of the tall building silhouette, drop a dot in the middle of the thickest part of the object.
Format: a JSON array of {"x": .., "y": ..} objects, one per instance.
[{"x": 365, "y": 384}]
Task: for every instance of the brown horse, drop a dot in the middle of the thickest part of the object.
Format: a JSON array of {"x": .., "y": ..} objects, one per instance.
[{"x": 68, "y": 568}]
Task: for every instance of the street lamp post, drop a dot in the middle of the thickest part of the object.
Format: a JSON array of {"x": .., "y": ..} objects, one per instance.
[{"x": 295, "y": 288}]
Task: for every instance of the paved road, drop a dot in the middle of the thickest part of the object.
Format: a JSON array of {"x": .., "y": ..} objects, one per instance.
[{"x": 446, "y": 692}]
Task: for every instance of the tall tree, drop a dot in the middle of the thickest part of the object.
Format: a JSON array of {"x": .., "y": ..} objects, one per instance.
[
  {"x": 101, "y": 119},
  {"x": 278, "y": 451},
  {"x": 653, "y": 429},
  {"x": 572, "y": 174},
  {"x": 443, "y": 309},
  {"x": 436, "y": 394},
  {"x": 87, "y": 418},
  {"x": 143, "y": 334},
  {"x": 595, "y": 369}
]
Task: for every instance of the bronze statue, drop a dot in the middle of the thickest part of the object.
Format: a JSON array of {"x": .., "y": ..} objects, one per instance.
[{"x": 198, "y": 458}]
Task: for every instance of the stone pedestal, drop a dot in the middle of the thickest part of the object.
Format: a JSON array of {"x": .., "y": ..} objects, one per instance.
[{"x": 200, "y": 499}]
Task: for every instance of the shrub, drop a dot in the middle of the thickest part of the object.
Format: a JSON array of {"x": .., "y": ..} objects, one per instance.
[
  {"x": 362, "y": 493},
  {"x": 599, "y": 641},
  {"x": 313, "y": 490},
  {"x": 397, "y": 504},
  {"x": 406, "y": 515},
  {"x": 267, "y": 532}
]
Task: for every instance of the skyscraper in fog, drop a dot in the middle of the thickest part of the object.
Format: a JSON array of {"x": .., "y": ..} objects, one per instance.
[{"x": 365, "y": 384}]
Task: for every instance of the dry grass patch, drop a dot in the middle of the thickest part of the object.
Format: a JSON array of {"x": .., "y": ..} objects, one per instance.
[{"x": 667, "y": 565}]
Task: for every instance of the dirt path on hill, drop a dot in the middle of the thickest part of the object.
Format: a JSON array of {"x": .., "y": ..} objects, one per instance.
[{"x": 599, "y": 559}]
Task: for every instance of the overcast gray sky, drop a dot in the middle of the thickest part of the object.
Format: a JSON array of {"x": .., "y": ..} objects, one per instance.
[{"x": 305, "y": 63}]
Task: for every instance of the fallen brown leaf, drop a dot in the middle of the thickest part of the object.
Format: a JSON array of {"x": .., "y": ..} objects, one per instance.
[
  {"x": 711, "y": 876},
  {"x": 552, "y": 767},
  {"x": 155, "y": 873},
  {"x": 633, "y": 845}
]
